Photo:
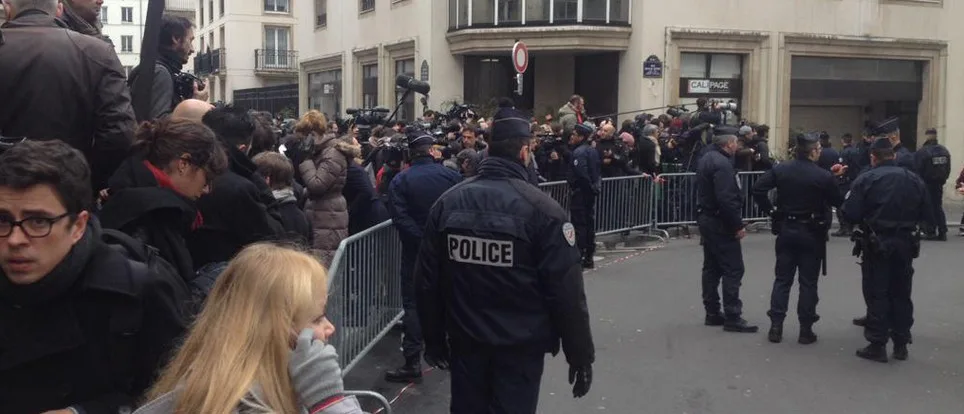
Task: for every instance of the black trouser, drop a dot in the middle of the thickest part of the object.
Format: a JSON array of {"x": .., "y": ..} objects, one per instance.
[
  {"x": 936, "y": 193},
  {"x": 888, "y": 274},
  {"x": 722, "y": 265},
  {"x": 496, "y": 380},
  {"x": 582, "y": 213},
  {"x": 412, "y": 341},
  {"x": 798, "y": 251}
]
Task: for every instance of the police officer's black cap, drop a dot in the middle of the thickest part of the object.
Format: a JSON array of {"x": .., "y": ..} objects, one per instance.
[
  {"x": 584, "y": 129},
  {"x": 887, "y": 126},
  {"x": 807, "y": 139},
  {"x": 726, "y": 130},
  {"x": 881, "y": 143},
  {"x": 418, "y": 137},
  {"x": 930, "y": 131},
  {"x": 824, "y": 136},
  {"x": 509, "y": 123}
]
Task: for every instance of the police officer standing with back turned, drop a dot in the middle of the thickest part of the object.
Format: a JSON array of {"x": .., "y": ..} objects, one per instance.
[
  {"x": 721, "y": 229},
  {"x": 801, "y": 218},
  {"x": 887, "y": 202},
  {"x": 500, "y": 284},
  {"x": 411, "y": 195},
  {"x": 584, "y": 182},
  {"x": 934, "y": 167}
]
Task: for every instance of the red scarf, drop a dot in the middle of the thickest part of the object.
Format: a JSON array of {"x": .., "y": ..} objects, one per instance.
[{"x": 164, "y": 181}]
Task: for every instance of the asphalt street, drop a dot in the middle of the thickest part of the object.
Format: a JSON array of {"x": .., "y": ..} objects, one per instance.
[{"x": 653, "y": 354}]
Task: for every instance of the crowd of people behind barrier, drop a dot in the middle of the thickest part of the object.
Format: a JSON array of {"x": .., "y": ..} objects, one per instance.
[{"x": 115, "y": 237}]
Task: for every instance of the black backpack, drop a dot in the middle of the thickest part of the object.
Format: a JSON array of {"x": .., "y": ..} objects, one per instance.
[{"x": 146, "y": 261}]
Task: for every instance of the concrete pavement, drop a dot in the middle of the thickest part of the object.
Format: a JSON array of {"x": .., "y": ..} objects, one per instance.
[{"x": 655, "y": 356}]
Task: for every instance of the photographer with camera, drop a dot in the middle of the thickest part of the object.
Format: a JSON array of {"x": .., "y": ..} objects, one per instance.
[
  {"x": 552, "y": 154},
  {"x": 171, "y": 86}
]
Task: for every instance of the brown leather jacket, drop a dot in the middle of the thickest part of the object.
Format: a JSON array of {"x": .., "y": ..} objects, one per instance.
[{"x": 60, "y": 84}]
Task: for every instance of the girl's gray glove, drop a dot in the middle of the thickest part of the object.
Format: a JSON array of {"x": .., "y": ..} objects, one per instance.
[{"x": 314, "y": 370}]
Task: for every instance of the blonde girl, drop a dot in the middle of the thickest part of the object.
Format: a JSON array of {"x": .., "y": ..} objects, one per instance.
[{"x": 258, "y": 346}]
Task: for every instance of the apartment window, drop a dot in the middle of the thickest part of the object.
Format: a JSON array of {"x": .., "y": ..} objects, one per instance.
[
  {"x": 324, "y": 91},
  {"x": 127, "y": 14},
  {"x": 565, "y": 9},
  {"x": 407, "y": 110},
  {"x": 127, "y": 44},
  {"x": 321, "y": 13},
  {"x": 276, "y": 6},
  {"x": 210, "y": 11},
  {"x": 103, "y": 15},
  {"x": 366, "y": 5},
  {"x": 276, "y": 46},
  {"x": 510, "y": 11},
  {"x": 200, "y": 8},
  {"x": 220, "y": 7},
  {"x": 370, "y": 85}
]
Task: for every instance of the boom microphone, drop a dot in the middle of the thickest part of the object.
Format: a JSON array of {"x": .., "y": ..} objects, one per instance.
[{"x": 410, "y": 83}]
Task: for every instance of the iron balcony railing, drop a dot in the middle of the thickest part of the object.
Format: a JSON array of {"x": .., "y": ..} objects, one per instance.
[
  {"x": 275, "y": 61},
  {"x": 209, "y": 63},
  {"x": 466, "y": 14}
]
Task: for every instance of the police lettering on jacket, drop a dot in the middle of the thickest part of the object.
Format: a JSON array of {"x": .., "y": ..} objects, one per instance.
[{"x": 485, "y": 252}]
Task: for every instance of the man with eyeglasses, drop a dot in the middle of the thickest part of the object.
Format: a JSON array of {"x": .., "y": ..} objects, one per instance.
[{"x": 82, "y": 328}]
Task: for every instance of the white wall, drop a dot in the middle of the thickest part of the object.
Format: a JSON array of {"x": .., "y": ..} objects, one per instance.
[{"x": 116, "y": 29}]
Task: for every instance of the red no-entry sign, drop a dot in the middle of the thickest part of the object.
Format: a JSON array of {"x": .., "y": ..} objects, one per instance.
[{"x": 520, "y": 57}]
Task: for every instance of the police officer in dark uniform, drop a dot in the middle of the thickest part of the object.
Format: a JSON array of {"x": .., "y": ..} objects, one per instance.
[
  {"x": 850, "y": 157},
  {"x": 411, "y": 194},
  {"x": 934, "y": 167},
  {"x": 801, "y": 218},
  {"x": 828, "y": 155},
  {"x": 584, "y": 183},
  {"x": 500, "y": 283},
  {"x": 887, "y": 202},
  {"x": 890, "y": 129},
  {"x": 721, "y": 229}
]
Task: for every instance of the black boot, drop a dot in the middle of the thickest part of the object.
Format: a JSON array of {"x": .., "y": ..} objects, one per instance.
[
  {"x": 713, "y": 319},
  {"x": 776, "y": 332},
  {"x": 739, "y": 325},
  {"x": 873, "y": 352},
  {"x": 900, "y": 352},
  {"x": 861, "y": 321},
  {"x": 410, "y": 372},
  {"x": 807, "y": 336},
  {"x": 588, "y": 263}
]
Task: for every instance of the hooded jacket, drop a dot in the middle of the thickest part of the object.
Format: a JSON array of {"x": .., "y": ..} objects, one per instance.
[
  {"x": 159, "y": 217},
  {"x": 324, "y": 175}
]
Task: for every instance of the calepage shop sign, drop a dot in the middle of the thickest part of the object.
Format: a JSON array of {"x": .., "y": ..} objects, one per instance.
[{"x": 690, "y": 87}]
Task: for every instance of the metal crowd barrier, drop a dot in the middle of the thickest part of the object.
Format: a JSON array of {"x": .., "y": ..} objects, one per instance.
[{"x": 364, "y": 289}]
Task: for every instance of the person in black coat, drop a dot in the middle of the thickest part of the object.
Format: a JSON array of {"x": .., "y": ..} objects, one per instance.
[
  {"x": 720, "y": 202},
  {"x": 240, "y": 209},
  {"x": 828, "y": 155},
  {"x": 82, "y": 329},
  {"x": 152, "y": 195},
  {"x": 278, "y": 173},
  {"x": 365, "y": 207}
]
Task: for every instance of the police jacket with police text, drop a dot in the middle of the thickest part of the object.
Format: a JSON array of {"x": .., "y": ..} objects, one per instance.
[
  {"x": 933, "y": 162},
  {"x": 586, "y": 169},
  {"x": 888, "y": 197},
  {"x": 499, "y": 266},
  {"x": 719, "y": 191},
  {"x": 803, "y": 189},
  {"x": 413, "y": 191}
]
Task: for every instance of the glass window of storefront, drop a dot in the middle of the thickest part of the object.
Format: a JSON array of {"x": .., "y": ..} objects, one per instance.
[
  {"x": 714, "y": 76},
  {"x": 370, "y": 85},
  {"x": 324, "y": 92},
  {"x": 407, "y": 111}
]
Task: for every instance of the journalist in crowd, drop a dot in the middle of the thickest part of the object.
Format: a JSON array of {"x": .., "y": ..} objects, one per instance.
[
  {"x": 170, "y": 86},
  {"x": 83, "y": 329}
]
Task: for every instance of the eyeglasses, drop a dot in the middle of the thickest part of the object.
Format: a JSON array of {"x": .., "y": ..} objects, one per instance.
[{"x": 33, "y": 227}]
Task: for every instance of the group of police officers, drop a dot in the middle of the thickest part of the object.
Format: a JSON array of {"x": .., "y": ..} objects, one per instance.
[
  {"x": 498, "y": 277},
  {"x": 887, "y": 202}
]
